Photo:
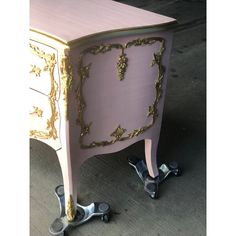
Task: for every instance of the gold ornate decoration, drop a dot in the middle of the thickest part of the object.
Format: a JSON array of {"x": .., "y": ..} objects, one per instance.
[
  {"x": 36, "y": 70},
  {"x": 143, "y": 42},
  {"x": 122, "y": 65},
  {"x": 137, "y": 132},
  {"x": 50, "y": 63},
  {"x": 86, "y": 129},
  {"x": 152, "y": 110},
  {"x": 70, "y": 209},
  {"x": 66, "y": 78},
  {"x": 95, "y": 50},
  {"x": 83, "y": 71},
  {"x": 118, "y": 133},
  {"x": 37, "y": 111}
]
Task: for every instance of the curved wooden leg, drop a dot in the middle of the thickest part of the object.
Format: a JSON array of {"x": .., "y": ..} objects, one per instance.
[
  {"x": 72, "y": 213},
  {"x": 151, "y": 158},
  {"x": 69, "y": 173}
]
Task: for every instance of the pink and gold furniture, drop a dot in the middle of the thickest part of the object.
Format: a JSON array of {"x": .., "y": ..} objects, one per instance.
[{"x": 98, "y": 75}]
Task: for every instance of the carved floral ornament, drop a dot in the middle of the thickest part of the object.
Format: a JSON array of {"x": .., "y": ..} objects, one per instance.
[
  {"x": 35, "y": 70},
  {"x": 37, "y": 111},
  {"x": 66, "y": 78},
  {"x": 50, "y": 63},
  {"x": 120, "y": 133}
]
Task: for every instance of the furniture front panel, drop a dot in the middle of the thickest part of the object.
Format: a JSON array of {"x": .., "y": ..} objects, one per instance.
[
  {"x": 44, "y": 119},
  {"x": 44, "y": 73}
]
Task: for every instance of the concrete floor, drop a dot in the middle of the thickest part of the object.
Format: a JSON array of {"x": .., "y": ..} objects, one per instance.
[{"x": 181, "y": 207}]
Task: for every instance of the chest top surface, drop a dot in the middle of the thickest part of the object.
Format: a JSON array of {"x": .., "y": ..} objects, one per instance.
[{"x": 69, "y": 20}]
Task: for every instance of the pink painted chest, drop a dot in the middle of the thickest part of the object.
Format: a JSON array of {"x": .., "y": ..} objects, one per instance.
[{"x": 98, "y": 75}]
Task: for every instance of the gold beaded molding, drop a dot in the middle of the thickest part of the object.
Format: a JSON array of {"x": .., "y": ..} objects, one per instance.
[{"x": 119, "y": 134}]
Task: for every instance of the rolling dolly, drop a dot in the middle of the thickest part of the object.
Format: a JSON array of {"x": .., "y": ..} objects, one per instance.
[
  {"x": 83, "y": 214},
  {"x": 151, "y": 184}
]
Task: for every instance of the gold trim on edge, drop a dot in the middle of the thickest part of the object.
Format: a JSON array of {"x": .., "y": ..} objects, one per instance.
[
  {"x": 50, "y": 62},
  {"x": 119, "y": 132},
  {"x": 70, "y": 213},
  {"x": 66, "y": 78}
]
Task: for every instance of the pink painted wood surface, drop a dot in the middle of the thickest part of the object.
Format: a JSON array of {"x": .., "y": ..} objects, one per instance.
[
  {"x": 73, "y": 19},
  {"x": 68, "y": 163},
  {"x": 111, "y": 102},
  {"x": 150, "y": 156}
]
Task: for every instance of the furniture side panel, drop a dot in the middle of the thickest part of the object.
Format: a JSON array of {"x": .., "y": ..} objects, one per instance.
[{"x": 119, "y": 89}]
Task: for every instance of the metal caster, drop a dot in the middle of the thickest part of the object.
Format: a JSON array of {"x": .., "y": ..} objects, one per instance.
[
  {"x": 83, "y": 214},
  {"x": 151, "y": 184},
  {"x": 151, "y": 187},
  {"x": 177, "y": 171},
  {"x": 171, "y": 169},
  {"x": 105, "y": 218}
]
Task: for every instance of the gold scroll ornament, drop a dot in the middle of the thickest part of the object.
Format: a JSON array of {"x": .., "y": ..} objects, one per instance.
[
  {"x": 37, "y": 111},
  {"x": 119, "y": 134},
  {"x": 66, "y": 78},
  {"x": 35, "y": 70},
  {"x": 50, "y": 63}
]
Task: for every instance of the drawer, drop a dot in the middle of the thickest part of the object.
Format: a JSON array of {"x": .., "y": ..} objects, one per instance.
[
  {"x": 44, "y": 72},
  {"x": 44, "y": 119}
]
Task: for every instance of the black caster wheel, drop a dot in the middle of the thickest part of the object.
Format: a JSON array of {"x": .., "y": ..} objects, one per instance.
[
  {"x": 57, "y": 227},
  {"x": 105, "y": 218},
  {"x": 151, "y": 187},
  {"x": 175, "y": 169},
  {"x": 178, "y": 172}
]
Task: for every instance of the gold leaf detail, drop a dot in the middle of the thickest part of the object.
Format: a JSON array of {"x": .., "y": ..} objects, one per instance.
[
  {"x": 118, "y": 133},
  {"x": 37, "y": 111},
  {"x": 70, "y": 209},
  {"x": 152, "y": 110},
  {"x": 36, "y": 70},
  {"x": 137, "y": 132},
  {"x": 66, "y": 78},
  {"x": 121, "y": 66},
  {"x": 85, "y": 129},
  {"x": 50, "y": 63},
  {"x": 95, "y": 50},
  {"x": 156, "y": 59},
  {"x": 84, "y": 71}
]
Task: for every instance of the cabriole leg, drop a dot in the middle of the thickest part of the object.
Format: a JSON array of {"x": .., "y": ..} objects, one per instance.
[
  {"x": 83, "y": 214},
  {"x": 72, "y": 213}
]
